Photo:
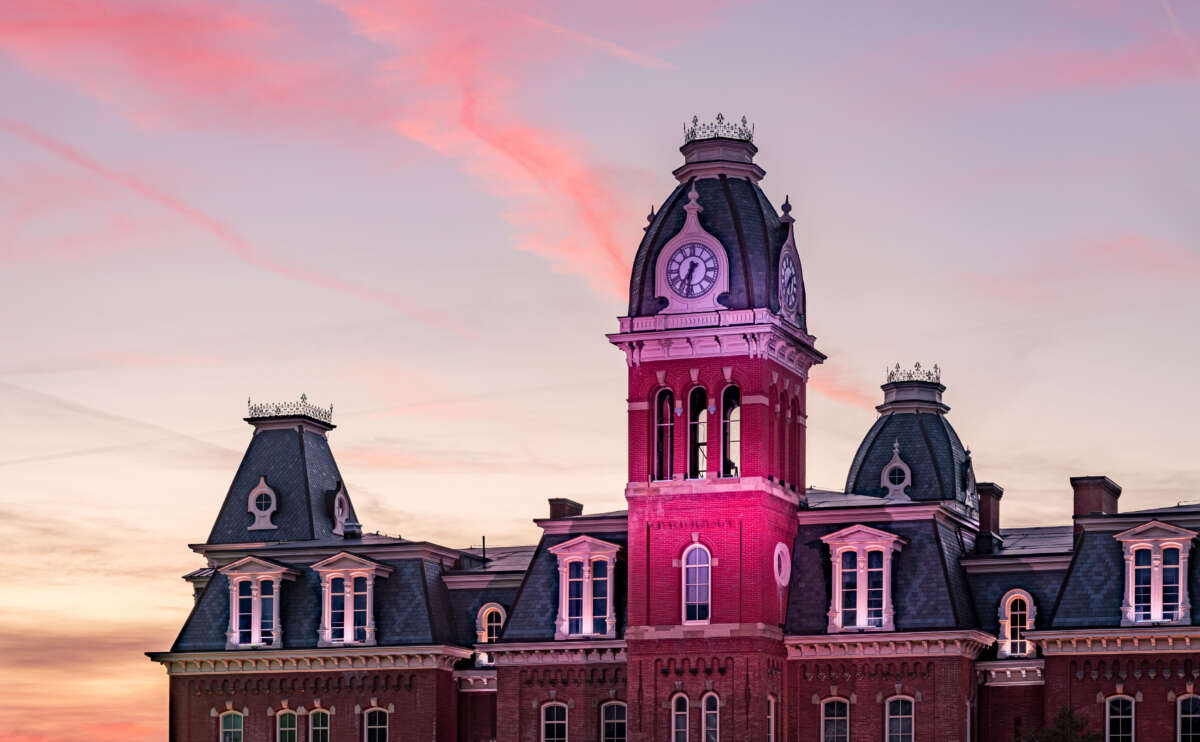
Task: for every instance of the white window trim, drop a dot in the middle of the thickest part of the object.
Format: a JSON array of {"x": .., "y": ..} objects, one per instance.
[
  {"x": 704, "y": 712},
  {"x": 781, "y": 556},
  {"x": 861, "y": 540},
  {"x": 825, "y": 702},
  {"x": 387, "y": 724},
  {"x": 725, "y": 430},
  {"x": 221, "y": 724},
  {"x": 1003, "y": 642},
  {"x": 586, "y": 550},
  {"x": 481, "y": 620},
  {"x": 312, "y": 719},
  {"x": 683, "y": 567},
  {"x": 255, "y": 571},
  {"x": 1179, "y": 714},
  {"x": 347, "y": 566},
  {"x": 1108, "y": 715},
  {"x": 702, "y": 427},
  {"x": 605, "y": 705},
  {"x": 887, "y": 714},
  {"x": 279, "y": 723},
  {"x": 687, "y": 717},
  {"x": 262, "y": 518},
  {"x": 667, "y": 464},
  {"x": 1156, "y": 536},
  {"x": 566, "y": 720},
  {"x": 771, "y": 721}
]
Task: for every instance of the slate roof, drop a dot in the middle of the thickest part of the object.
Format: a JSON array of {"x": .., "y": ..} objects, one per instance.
[
  {"x": 536, "y": 605},
  {"x": 928, "y": 445},
  {"x": 989, "y": 588},
  {"x": 299, "y": 466},
  {"x": 1036, "y": 540},
  {"x": 737, "y": 213}
]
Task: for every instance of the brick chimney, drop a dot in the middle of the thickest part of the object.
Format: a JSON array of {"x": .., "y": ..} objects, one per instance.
[
  {"x": 561, "y": 507},
  {"x": 1095, "y": 495},
  {"x": 989, "y": 540}
]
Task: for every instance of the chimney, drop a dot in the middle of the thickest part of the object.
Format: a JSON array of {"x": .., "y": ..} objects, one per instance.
[
  {"x": 560, "y": 507},
  {"x": 1095, "y": 495},
  {"x": 989, "y": 540}
]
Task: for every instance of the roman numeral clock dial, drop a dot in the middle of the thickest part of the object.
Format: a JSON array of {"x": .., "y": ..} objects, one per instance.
[{"x": 692, "y": 270}]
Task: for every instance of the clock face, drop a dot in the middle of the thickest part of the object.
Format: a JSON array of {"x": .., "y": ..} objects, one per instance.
[
  {"x": 692, "y": 270},
  {"x": 788, "y": 284}
]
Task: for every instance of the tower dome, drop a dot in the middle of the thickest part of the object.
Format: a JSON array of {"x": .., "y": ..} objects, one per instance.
[
  {"x": 912, "y": 452},
  {"x": 718, "y": 219}
]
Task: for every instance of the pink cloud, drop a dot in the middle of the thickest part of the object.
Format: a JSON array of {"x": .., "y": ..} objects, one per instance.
[{"x": 840, "y": 391}]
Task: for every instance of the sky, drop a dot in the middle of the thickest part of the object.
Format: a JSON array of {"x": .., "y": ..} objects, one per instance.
[{"x": 424, "y": 213}]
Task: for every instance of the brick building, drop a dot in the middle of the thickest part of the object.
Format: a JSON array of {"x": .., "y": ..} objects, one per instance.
[{"x": 729, "y": 601}]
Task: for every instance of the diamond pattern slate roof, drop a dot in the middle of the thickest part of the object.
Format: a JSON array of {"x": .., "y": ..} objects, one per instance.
[
  {"x": 1037, "y": 540},
  {"x": 989, "y": 588},
  {"x": 928, "y": 445}
]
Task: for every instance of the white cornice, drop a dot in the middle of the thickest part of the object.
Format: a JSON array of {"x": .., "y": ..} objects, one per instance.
[
  {"x": 704, "y": 631},
  {"x": 475, "y": 680},
  {"x": 609, "y": 524},
  {"x": 433, "y": 656},
  {"x": 882, "y": 514},
  {"x": 985, "y": 565},
  {"x": 1012, "y": 672},
  {"x": 556, "y": 653},
  {"x": 964, "y": 643},
  {"x": 302, "y": 552},
  {"x": 712, "y": 486},
  {"x": 1125, "y": 640},
  {"x": 480, "y": 580}
]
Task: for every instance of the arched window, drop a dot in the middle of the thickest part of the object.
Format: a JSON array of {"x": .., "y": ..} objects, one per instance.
[
  {"x": 731, "y": 432},
  {"x": 612, "y": 722},
  {"x": 875, "y": 588},
  {"x": 318, "y": 726},
  {"x": 712, "y": 718},
  {"x": 377, "y": 726},
  {"x": 697, "y": 584},
  {"x": 285, "y": 726},
  {"x": 785, "y": 450},
  {"x": 1118, "y": 719},
  {"x": 664, "y": 434},
  {"x": 575, "y": 598},
  {"x": 600, "y": 594},
  {"x": 679, "y": 719},
  {"x": 849, "y": 588},
  {"x": 770, "y": 718},
  {"x": 1142, "y": 577},
  {"x": 1017, "y": 612},
  {"x": 899, "y": 719},
  {"x": 554, "y": 722},
  {"x": 491, "y": 626},
  {"x": 1170, "y": 584},
  {"x": 697, "y": 433},
  {"x": 231, "y": 727},
  {"x": 337, "y": 607},
  {"x": 1189, "y": 719},
  {"x": 835, "y": 720}
]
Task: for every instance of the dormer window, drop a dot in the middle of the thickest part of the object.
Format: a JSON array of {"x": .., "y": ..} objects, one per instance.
[
  {"x": 1156, "y": 559},
  {"x": 585, "y": 572},
  {"x": 862, "y": 577},
  {"x": 1017, "y": 614},
  {"x": 254, "y": 588},
  {"x": 348, "y": 599}
]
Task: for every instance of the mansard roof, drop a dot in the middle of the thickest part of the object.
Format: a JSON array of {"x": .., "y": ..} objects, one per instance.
[
  {"x": 298, "y": 465},
  {"x": 926, "y": 442}
]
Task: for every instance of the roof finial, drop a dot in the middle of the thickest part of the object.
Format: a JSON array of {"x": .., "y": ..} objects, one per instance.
[
  {"x": 693, "y": 207},
  {"x": 787, "y": 211},
  {"x": 896, "y": 447},
  {"x": 649, "y": 218}
]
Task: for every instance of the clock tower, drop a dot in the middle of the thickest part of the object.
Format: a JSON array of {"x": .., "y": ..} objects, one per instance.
[{"x": 718, "y": 352}]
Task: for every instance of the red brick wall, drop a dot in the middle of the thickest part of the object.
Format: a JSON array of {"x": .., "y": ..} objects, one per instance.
[
  {"x": 940, "y": 687},
  {"x": 1079, "y": 680},
  {"x": 424, "y": 702},
  {"x": 742, "y": 672},
  {"x": 522, "y": 691},
  {"x": 476, "y": 717},
  {"x": 1005, "y": 709}
]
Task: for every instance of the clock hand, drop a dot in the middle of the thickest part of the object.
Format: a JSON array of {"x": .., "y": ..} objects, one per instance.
[{"x": 691, "y": 269}]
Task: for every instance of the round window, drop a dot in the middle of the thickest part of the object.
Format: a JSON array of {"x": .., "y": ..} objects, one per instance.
[
  {"x": 782, "y": 564},
  {"x": 896, "y": 476},
  {"x": 263, "y": 502}
]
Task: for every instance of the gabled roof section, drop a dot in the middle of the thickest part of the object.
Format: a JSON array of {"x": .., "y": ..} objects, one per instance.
[
  {"x": 294, "y": 460},
  {"x": 1155, "y": 530},
  {"x": 344, "y": 561},
  {"x": 253, "y": 565},
  {"x": 860, "y": 534},
  {"x": 584, "y": 545}
]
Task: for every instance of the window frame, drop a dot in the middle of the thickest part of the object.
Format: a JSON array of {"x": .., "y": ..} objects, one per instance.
[
  {"x": 697, "y": 434},
  {"x": 861, "y": 541},
  {"x": 887, "y": 717},
  {"x": 662, "y": 449},
  {"x": 241, "y": 730},
  {"x": 279, "y": 730},
  {"x": 706, "y": 713},
  {"x": 675, "y": 716},
  {"x": 348, "y": 568},
  {"x": 1004, "y": 640},
  {"x": 1156, "y": 537},
  {"x": 731, "y": 469},
  {"x": 566, "y": 720},
  {"x": 312, "y": 723},
  {"x": 837, "y": 699},
  {"x": 481, "y": 621},
  {"x": 1179, "y": 715},
  {"x": 614, "y": 704},
  {"x": 771, "y": 721},
  {"x": 1108, "y": 717},
  {"x": 586, "y": 551},
  {"x": 683, "y": 593}
]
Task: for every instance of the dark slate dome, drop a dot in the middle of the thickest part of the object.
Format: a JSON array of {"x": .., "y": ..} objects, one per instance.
[
  {"x": 913, "y": 434},
  {"x": 719, "y": 163}
]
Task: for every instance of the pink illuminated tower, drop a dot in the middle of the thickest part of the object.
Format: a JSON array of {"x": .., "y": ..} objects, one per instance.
[{"x": 719, "y": 353}]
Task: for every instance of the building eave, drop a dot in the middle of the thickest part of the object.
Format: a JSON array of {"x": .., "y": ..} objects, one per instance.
[
  {"x": 958, "y": 643},
  {"x": 1124, "y": 640},
  {"x": 428, "y": 656}
]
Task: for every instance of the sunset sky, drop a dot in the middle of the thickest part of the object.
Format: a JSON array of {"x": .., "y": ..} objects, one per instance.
[{"x": 424, "y": 213}]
